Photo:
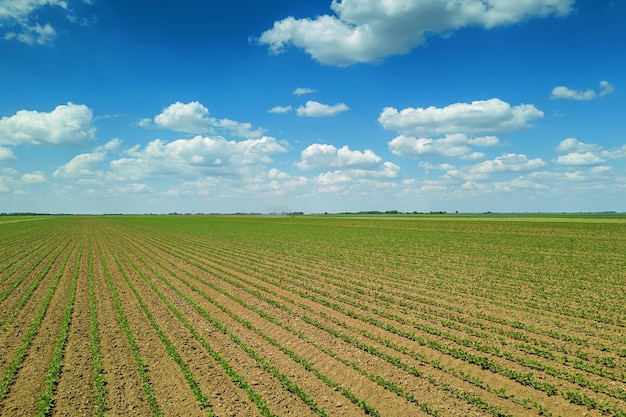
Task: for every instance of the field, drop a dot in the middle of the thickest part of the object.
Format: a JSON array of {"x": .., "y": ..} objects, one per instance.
[{"x": 328, "y": 315}]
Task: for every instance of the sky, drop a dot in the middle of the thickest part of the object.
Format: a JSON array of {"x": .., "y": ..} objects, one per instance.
[{"x": 111, "y": 106}]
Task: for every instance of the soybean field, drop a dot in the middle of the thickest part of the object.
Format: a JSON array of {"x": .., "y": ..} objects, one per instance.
[{"x": 445, "y": 315}]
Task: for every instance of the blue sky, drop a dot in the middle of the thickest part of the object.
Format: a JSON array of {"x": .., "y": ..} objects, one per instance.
[{"x": 281, "y": 105}]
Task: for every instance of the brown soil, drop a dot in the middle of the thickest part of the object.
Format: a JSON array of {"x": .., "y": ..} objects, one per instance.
[{"x": 267, "y": 297}]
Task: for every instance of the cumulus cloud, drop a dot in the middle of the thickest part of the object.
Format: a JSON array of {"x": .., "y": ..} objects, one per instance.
[
  {"x": 34, "y": 178},
  {"x": 79, "y": 166},
  {"x": 67, "y": 125},
  {"x": 579, "y": 159},
  {"x": 239, "y": 129},
  {"x": 197, "y": 155},
  {"x": 477, "y": 117},
  {"x": 455, "y": 146},
  {"x": 321, "y": 156},
  {"x": 331, "y": 179},
  {"x": 195, "y": 118},
  {"x": 574, "y": 145},
  {"x": 84, "y": 165},
  {"x": 280, "y": 109},
  {"x": 109, "y": 169},
  {"x": 346, "y": 171},
  {"x": 6, "y": 155},
  {"x": 22, "y": 16},
  {"x": 509, "y": 162},
  {"x": 315, "y": 109},
  {"x": 562, "y": 92},
  {"x": 7, "y": 184},
  {"x": 300, "y": 91},
  {"x": 189, "y": 118},
  {"x": 586, "y": 154},
  {"x": 369, "y": 30}
]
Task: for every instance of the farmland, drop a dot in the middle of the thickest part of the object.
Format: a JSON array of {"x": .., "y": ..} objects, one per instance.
[{"x": 329, "y": 315}]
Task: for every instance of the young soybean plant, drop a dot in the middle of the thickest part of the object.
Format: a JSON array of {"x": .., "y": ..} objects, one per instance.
[{"x": 54, "y": 369}]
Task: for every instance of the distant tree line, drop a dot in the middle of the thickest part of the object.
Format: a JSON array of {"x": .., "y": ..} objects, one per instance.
[{"x": 25, "y": 214}]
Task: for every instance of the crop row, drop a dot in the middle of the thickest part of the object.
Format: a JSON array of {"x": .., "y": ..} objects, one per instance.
[
  {"x": 302, "y": 314},
  {"x": 370, "y": 350},
  {"x": 300, "y": 288},
  {"x": 290, "y": 385}
]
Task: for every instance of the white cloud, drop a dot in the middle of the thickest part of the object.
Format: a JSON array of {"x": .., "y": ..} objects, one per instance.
[
  {"x": 195, "y": 156},
  {"x": 22, "y": 15},
  {"x": 579, "y": 159},
  {"x": 508, "y": 162},
  {"x": 7, "y": 184},
  {"x": 300, "y": 91},
  {"x": 280, "y": 109},
  {"x": 369, "y": 30},
  {"x": 174, "y": 168},
  {"x": 438, "y": 167},
  {"x": 340, "y": 181},
  {"x": 484, "y": 141},
  {"x": 194, "y": 117},
  {"x": 19, "y": 10},
  {"x": 80, "y": 166},
  {"x": 586, "y": 154},
  {"x": 145, "y": 123},
  {"x": 34, "y": 178},
  {"x": 35, "y": 34},
  {"x": 484, "y": 116},
  {"x": 411, "y": 147},
  {"x": 66, "y": 125},
  {"x": 562, "y": 92},
  {"x": 189, "y": 118},
  {"x": 6, "y": 155},
  {"x": 315, "y": 109},
  {"x": 320, "y": 156},
  {"x": 239, "y": 129},
  {"x": 132, "y": 188},
  {"x": 573, "y": 144},
  {"x": 453, "y": 145},
  {"x": 84, "y": 165}
]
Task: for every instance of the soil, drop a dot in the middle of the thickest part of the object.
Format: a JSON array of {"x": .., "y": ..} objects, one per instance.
[{"x": 346, "y": 326}]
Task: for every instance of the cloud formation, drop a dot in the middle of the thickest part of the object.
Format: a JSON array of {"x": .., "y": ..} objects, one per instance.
[
  {"x": 321, "y": 156},
  {"x": 563, "y": 92},
  {"x": 195, "y": 118},
  {"x": 316, "y": 109},
  {"x": 21, "y": 16},
  {"x": 300, "y": 91},
  {"x": 586, "y": 154},
  {"x": 280, "y": 109},
  {"x": 6, "y": 155},
  {"x": 509, "y": 162},
  {"x": 453, "y": 145},
  {"x": 183, "y": 157},
  {"x": 478, "y": 117},
  {"x": 67, "y": 125},
  {"x": 84, "y": 165},
  {"x": 189, "y": 118},
  {"x": 37, "y": 177},
  {"x": 370, "y": 30}
]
